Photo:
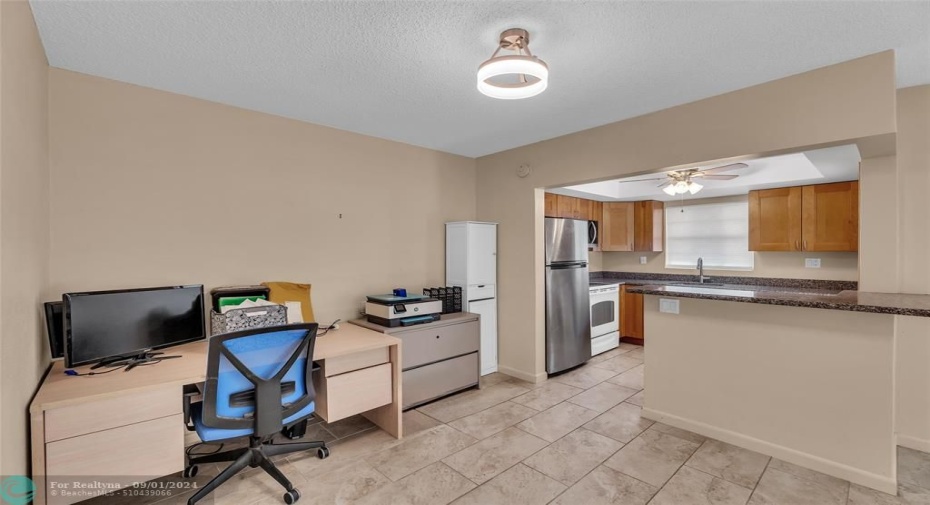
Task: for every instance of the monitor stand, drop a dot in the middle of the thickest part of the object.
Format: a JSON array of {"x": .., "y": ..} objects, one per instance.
[{"x": 131, "y": 361}]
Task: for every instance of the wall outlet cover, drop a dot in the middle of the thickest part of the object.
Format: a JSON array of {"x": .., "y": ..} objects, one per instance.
[
  {"x": 668, "y": 305},
  {"x": 811, "y": 262},
  {"x": 642, "y": 260}
]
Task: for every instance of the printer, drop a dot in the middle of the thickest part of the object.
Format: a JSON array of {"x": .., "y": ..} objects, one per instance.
[{"x": 393, "y": 311}]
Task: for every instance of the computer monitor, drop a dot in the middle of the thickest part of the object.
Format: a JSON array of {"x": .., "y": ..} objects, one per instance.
[
  {"x": 106, "y": 324},
  {"x": 55, "y": 325}
]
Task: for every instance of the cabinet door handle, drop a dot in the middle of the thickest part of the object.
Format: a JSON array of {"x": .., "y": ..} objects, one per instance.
[
  {"x": 805, "y": 245},
  {"x": 797, "y": 245}
]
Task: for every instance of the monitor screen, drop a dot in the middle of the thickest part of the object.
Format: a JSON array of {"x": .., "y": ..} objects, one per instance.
[{"x": 115, "y": 323}]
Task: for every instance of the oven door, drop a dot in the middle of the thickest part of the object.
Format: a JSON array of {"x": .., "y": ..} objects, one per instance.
[{"x": 605, "y": 312}]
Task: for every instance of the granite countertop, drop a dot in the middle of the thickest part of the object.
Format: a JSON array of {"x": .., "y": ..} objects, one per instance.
[{"x": 850, "y": 300}]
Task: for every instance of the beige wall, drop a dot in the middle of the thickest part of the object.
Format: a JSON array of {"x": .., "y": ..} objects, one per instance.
[
  {"x": 852, "y": 100},
  {"x": 810, "y": 386},
  {"x": 24, "y": 230},
  {"x": 151, "y": 188},
  {"x": 913, "y": 333},
  {"x": 841, "y": 266}
]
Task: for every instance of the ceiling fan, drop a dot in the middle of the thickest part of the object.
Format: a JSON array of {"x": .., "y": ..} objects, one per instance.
[{"x": 680, "y": 182}]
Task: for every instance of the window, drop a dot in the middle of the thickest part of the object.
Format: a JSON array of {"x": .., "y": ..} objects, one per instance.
[{"x": 717, "y": 232}]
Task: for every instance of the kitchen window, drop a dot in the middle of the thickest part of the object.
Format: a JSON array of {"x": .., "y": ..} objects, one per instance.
[{"x": 717, "y": 232}]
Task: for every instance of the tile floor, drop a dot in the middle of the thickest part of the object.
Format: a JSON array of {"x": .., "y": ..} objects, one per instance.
[{"x": 575, "y": 439}]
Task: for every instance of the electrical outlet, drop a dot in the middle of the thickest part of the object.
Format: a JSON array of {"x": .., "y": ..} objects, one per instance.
[
  {"x": 668, "y": 305},
  {"x": 811, "y": 262},
  {"x": 642, "y": 260}
]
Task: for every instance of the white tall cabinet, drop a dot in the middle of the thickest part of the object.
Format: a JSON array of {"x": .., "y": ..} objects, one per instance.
[{"x": 471, "y": 263}]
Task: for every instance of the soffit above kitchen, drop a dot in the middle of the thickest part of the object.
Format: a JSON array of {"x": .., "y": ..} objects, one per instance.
[
  {"x": 405, "y": 70},
  {"x": 820, "y": 166}
]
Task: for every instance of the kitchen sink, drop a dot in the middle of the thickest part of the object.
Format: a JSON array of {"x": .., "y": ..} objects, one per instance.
[
  {"x": 698, "y": 284},
  {"x": 704, "y": 288}
]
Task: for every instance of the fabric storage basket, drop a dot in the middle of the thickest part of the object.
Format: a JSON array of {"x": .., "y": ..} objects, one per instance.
[{"x": 248, "y": 318}]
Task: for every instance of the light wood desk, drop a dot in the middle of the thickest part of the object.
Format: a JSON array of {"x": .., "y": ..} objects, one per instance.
[{"x": 128, "y": 426}]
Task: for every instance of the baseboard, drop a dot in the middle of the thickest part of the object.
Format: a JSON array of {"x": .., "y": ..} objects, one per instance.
[
  {"x": 880, "y": 482},
  {"x": 519, "y": 374},
  {"x": 918, "y": 444}
]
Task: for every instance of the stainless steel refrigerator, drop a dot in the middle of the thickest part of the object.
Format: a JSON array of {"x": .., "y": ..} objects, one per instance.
[{"x": 568, "y": 309}]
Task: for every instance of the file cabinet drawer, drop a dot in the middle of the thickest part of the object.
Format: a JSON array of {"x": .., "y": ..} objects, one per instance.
[
  {"x": 431, "y": 381},
  {"x": 435, "y": 344},
  {"x": 345, "y": 395},
  {"x": 84, "y": 418}
]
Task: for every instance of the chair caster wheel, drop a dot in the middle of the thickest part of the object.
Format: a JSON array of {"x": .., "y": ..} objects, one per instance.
[
  {"x": 189, "y": 472},
  {"x": 291, "y": 496},
  {"x": 322, "y": 452}
]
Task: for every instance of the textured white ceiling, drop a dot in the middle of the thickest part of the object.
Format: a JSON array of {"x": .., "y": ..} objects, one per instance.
[
  {"x": 832, "y": 164},
  {"x": 405, "y": 70}
]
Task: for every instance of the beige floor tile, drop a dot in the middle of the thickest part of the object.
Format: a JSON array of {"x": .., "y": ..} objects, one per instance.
[
  {"x": 652, "y": 457},
  {"x": 520, "y": 485},
  {"x": 254, "y": 484},
  {"x": 605, "y": 486},
  {"x": 492, "y": 379},
  {"x": 620, "y": 363},
  {"x": 573, "y": 456},
  {"x": 493, "y": 420},
  {"x": 907, "y": 495},
  {"x": 472, "y": 401},
  {"x": 169, "y": 489},
  {"x": 488, "y": 458},
  {"x": 638, "y": 353},
  {"x": 914, "y": 467},
  {"x": 556, "y": 422},
  {"x": 729, "y": 462},
  {"x": 602, "y": 397},
  {"x": 629, "y": 347},
  {"x": 622, "y": 423},
  {"x": 678, "y": 432},
  {"x": 689, "y": 486},
  {"x": 613, "y": 353},
  {"x": 345, "y": 485},
  {"x": 436, "y": 484},
  {"x": 777, "y": 488},
  {"x": 419, "y": 451},
  {"x": 632, "y": 378},
  {"x": 584, "y": 377},
  {"x": 638, "y": 398},
  {"x": 838, "y": 489},
  {"x": 342, "y": 452},
  {"x": 416, "y": 421},
  {"x": 551, "y": 393},
  {"x": 347, "y": 427}
]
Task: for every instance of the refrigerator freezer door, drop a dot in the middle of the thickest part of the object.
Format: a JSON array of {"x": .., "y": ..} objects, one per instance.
[
  {"x": 566, "y": 241},
  {"x": 568, "y": 318}
]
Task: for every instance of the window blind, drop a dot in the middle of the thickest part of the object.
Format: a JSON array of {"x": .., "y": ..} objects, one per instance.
[{"x": 717, "y": 232}]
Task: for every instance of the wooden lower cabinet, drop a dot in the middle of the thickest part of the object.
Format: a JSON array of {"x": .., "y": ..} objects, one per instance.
[{"x": 631, "y": 316}]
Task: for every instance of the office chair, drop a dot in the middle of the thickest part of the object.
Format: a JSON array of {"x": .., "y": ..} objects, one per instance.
[{"x": 258, "y": 383}]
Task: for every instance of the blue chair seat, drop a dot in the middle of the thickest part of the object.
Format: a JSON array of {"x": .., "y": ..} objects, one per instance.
[{"x": 209, "y": 434}]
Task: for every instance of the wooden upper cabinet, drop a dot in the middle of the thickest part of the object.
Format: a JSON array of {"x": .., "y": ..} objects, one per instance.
[
  {"x": 775, "y": 219},
  {"x": 822, "y": 217},
  {"x": 830, "y": 217},
  {"x": 595, "y": 211},
  {"x": 617, "y": 226},
  {"x": 649, "y": 226},
  {"x": 552, "y": 205},
  {"x": 570, "y": 207}
]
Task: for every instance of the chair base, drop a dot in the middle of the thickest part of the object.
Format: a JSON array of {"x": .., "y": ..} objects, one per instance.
[{"x": 256, "y": 455}]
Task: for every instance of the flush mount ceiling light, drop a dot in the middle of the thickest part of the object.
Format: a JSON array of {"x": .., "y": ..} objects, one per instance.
[{"x": 516, "y": 76}]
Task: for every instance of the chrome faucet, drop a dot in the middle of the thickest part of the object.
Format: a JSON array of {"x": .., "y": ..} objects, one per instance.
[{"x": 700, "y": 268}]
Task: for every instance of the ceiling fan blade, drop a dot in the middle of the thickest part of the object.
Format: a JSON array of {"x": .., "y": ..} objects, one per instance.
[
  {"x": 666, "y": 183},
  {"x": 643, "y": 180},
  {"x": 725, "y": 168},
  {"x": 718, "y": 177}
]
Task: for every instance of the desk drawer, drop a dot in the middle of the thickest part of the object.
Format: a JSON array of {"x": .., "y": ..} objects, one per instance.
[
  {"x": 127, "y": 454},
  {"x": 435, "y": 344},
  {"x": 345, "y": 395},
  {"x": 355, "y": 361},
  {"x": 432, "y": 381},
  {"x": 85, "y": 418}
]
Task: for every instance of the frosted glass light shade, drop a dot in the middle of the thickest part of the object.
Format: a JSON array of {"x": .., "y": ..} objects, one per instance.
[
  {"x": 536, "y": 70},
  {"x": 694, "y": 187},
  {"x": 669, "y": 190}
]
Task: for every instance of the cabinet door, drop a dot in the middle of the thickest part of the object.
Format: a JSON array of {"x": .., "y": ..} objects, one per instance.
[
  {"x": 487, "y": 309},
  {"x": 552, "y": 205},
  {"x": 566, "y": 206},
  {"x": 482, "y": 254},
  {"x": 649, "y": 226},
  {"x": 638, "y": 328},
  {"x": 631, "y": 314},
  {"x": 597, "y": 212},
  {"x": 775, "y": 219},
  {"x": 617, "y": 227},
  {"x": 831, "y": 217}
]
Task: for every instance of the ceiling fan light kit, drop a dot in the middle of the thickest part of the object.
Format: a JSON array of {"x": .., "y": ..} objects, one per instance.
[
  {"x": 531, "y": 73},
  {"x": 681, "y": 181}
]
